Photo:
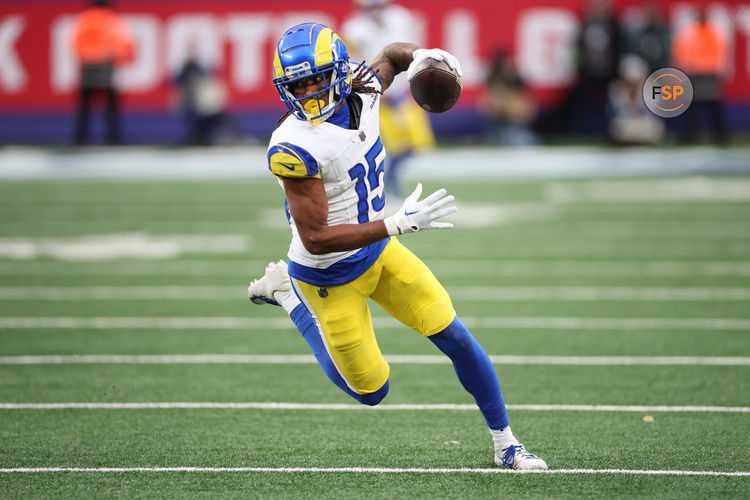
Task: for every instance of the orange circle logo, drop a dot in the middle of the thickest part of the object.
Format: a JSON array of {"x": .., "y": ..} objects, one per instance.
[{"x": 667, "y": 92}]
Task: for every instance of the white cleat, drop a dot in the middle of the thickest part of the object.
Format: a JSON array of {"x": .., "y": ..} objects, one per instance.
[
  {"x": 516, "y": 457},
  {"x": 275, "y": 279}
]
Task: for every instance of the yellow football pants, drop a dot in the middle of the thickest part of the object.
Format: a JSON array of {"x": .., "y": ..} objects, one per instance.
[
  {"x": 403, "y": 285},
  {"x": 405, "y": 128}
]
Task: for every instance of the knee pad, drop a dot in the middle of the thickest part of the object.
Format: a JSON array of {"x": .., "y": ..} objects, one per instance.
[{"x": 373, "y": 398}]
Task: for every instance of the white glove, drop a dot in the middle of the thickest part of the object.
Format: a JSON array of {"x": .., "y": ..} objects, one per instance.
[
  {"x": 415, "y": 215},
  {"x": 437, "y": 54}
]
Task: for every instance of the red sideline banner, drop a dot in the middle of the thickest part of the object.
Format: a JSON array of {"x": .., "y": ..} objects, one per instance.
[{"x": 38, "y": 71}]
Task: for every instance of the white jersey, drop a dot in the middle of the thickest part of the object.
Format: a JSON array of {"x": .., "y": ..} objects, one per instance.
[
  {"x": 366, "y": 35},
  {"x": 350, "y": 164}
]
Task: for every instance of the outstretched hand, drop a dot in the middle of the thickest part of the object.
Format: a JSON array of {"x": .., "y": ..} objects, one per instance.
[
  {"x": 437, "y": 54},
  {"x": 415, "y": 215}
]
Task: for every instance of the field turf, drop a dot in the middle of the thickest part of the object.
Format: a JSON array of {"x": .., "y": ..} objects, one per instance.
[{"x": 633, "y": 292}]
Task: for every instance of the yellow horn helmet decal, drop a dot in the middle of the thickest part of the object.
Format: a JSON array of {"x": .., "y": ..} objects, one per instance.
[
  {"x": 323, "y": 51},
  {"x": 278, "y": 71}
]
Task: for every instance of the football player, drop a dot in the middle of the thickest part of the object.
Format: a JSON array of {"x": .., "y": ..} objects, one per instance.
[{"x": 328, "y": 157}]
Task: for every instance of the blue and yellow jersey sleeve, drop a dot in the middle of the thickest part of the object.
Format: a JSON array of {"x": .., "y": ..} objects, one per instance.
[{"x": 289, "y": 160}]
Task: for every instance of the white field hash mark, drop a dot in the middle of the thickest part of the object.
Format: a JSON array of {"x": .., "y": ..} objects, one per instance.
[
  {"x": 352, "y": 407},
  {"x": 380, "y": 322},
  {"x": 143, "y": 359},
  {"x": 468, "y": 293},
  {"x": 378, "y": 470}
]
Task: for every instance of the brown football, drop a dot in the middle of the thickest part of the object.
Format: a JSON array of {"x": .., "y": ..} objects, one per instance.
[{"x": 435, "y": 86}]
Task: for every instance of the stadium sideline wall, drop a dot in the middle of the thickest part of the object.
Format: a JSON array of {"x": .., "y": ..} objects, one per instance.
[{"x": 38, "y": 73}]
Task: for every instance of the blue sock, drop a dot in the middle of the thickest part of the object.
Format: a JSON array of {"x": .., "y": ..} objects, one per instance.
[
  {"x": 474, "y": 370},
  {"x": 306, "y": 326}
]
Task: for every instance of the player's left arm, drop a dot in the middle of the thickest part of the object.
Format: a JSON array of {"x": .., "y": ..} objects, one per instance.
[
  {"x": 398, "y": 57},
  {"x": 395, "y": 58}
]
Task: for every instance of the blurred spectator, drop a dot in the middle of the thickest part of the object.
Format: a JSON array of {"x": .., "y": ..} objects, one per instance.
[
  {"x": 599, "y": 43},
  {"x": 583, "y": 110},
  {"x": 404, "y": 126},
  {"x": 631, "y": 122},
  {"x": 701, "y": 50},
  {"x": 202, "y": 100},
  {"x": 651, "y": 42},
  {"x": 101, "y": 41},
  {"x": 599, "y": 55},
  {"x": 508, "y": 108}
]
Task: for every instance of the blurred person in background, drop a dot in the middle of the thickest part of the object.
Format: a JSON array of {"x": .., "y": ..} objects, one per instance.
[
  {"x": 507, "y": 107},
  {"x": 598, "y": 52},
  {"x": 202, "y": 100},
  {"x": 701, "y": 50},
  {"x": 651, "y": 40},
  {"x": 101, "y": 42},
  {"x": 404, "y": 126},
  {"x": 599, "y": 49},
  {"x": 630, "y": 122}
]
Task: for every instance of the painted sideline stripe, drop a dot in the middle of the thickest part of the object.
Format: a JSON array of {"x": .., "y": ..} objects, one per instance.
[
  {"x": 391, "y": 358},
  {"x": 380, "y": 470},
  {"x": 444, "y": 267},
  {"x": 382, "y": 322},
  {"x": 539, "y": 164},
  {"x": 339, "y": 406},
  {"x": 473, "y": 293}
]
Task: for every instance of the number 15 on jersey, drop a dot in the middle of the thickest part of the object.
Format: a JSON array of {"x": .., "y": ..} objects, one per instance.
[{"x": 369, "y": 181}]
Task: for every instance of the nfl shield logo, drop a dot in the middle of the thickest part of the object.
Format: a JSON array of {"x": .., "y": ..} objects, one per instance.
[{"x": 362, "y": 136}]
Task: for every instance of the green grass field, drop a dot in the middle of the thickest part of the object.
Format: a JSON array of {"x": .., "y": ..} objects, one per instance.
[{"x": 629, "y": 293}]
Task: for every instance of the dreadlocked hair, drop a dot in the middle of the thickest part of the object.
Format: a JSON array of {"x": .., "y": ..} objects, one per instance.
[{"x": 362, "y": 77}]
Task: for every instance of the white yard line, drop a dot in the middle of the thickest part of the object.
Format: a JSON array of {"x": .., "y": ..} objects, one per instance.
[
  {"x": 582, "y": 249},
  {"x": 351, "y": 407},
  {"x": 582, "y": 293},
  {"x": 392, "y": 359},
  {"x": 163, "y": 267},
  {"x": 442, "y": 266},
  {"x": 468, "y": 293},
  {"x": 155, "y": 323},
  {"x": 103, "y": 247},
  {"x": 589, "y": 268},
  {"x": 282, "y": 323},
  {"x": 124, "y": 293},
  {"x": 378, "y": 470}
]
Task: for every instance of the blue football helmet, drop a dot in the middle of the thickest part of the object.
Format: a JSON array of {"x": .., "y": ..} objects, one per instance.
[{"x": 307, "y": 50}]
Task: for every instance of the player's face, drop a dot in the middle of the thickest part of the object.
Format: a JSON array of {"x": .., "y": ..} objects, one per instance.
[{"x": 309, "y": 86}]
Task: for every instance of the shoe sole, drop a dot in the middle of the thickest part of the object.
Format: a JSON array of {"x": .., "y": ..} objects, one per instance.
[{"x": 499, "y": 463}]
